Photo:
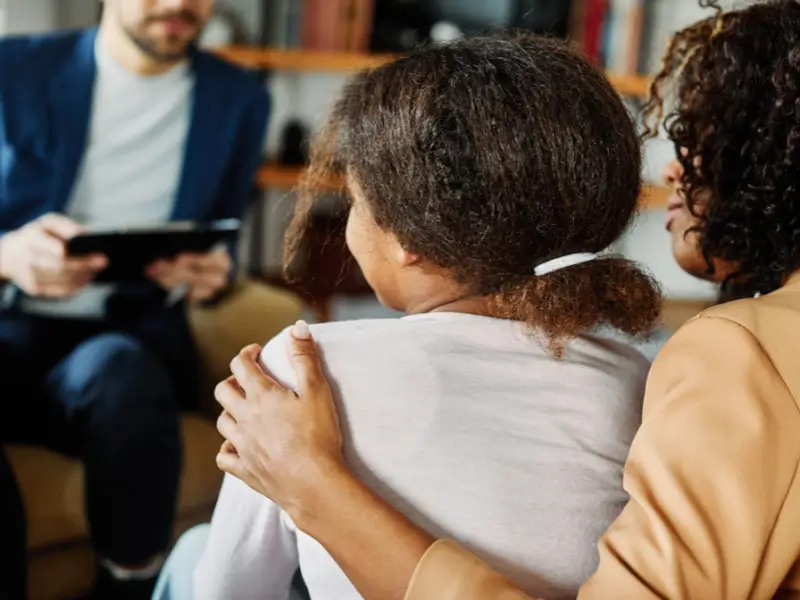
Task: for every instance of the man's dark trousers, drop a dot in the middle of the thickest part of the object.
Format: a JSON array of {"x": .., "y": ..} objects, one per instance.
[{"x": 110, "y": 393}]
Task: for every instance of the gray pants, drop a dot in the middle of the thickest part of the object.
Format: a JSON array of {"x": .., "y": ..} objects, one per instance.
[{"x": 175, "y": 582}]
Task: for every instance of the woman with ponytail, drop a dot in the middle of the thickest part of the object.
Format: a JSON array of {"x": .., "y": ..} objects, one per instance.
[{"x": 487, "y": 180}]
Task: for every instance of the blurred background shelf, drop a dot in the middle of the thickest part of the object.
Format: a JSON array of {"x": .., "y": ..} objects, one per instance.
[
  {"x": 275, "y": 59},
  {"x": 303, "y": 50},
  {"x": 272, "y": 176}
]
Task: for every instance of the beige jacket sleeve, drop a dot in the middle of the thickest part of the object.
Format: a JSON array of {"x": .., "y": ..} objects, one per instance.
[{"x": 714, "y": 510}]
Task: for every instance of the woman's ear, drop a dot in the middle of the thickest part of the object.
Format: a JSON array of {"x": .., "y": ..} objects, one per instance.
[{"x": 403, "y": 257}]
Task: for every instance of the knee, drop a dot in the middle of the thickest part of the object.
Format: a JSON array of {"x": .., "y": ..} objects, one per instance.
[
  {"x": 177, "y": 578},
  {"x": 191, "y": 545},
  {"x": 117, "y": 372}
]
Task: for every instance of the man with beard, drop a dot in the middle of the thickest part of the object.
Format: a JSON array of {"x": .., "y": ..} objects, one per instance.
[{"x": 124, "y": 125}]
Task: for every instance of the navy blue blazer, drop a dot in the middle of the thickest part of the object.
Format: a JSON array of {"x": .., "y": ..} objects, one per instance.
[{"x": 46, "y": 85}]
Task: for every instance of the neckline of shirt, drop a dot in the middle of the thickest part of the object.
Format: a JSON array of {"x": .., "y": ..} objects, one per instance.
[{"x": 108, "y": 65}]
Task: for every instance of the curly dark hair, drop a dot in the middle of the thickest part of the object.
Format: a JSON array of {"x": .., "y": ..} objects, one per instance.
[
  {"x": 487, "y": 157},
  {"x": 734, "y": 79}
]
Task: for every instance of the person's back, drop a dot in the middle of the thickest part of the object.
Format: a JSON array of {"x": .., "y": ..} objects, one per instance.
[
  {"x": 485, "y": 179},
  {"x": 464, "y": 423}
]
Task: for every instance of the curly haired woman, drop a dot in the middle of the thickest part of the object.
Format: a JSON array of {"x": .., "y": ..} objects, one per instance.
[{"x": 713, "y": 472}]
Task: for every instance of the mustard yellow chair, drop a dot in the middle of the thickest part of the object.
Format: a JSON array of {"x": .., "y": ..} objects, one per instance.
[{"x": 61, "y": 562}]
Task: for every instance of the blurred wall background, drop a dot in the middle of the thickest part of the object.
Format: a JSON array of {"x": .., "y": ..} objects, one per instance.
[{"x": 306, "y": 96}]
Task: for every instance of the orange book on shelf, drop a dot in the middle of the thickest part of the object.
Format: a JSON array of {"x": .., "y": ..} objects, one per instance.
[
  {"x": 577, "y": 24},
  {"x": 359, "y": 25},
  {"x": 324, "y": 25},
  {"x": 635, "y": 29}
]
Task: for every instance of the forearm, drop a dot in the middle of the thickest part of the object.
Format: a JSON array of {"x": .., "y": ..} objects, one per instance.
[{"x": 375, "y": 545}]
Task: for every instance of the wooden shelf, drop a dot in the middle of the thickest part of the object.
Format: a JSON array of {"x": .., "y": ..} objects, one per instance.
[
  {"x": 278, "y": 177},
  {"x": 274, "y": 59},
  {"x": 281, "y": 178}
]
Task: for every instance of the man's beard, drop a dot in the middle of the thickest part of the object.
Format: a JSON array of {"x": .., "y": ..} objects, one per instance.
[{"x": 151, "y": 47}]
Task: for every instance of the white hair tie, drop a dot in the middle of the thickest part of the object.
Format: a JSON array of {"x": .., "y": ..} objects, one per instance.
[{"x": 562, "y": 262}]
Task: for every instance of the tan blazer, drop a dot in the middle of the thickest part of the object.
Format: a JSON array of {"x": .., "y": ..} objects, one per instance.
[{"x": 714, "y": 510}]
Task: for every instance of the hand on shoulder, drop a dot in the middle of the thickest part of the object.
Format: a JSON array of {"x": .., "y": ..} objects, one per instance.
[{"x": 284, "y": 444}]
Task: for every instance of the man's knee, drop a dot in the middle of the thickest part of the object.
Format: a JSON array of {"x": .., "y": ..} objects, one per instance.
[
  {"x": 120, "y": 362},
  {"x": 113, "y": 374}
]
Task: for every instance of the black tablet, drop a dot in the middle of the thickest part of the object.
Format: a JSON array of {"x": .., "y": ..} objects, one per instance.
[{"x": 131, "y": 250}]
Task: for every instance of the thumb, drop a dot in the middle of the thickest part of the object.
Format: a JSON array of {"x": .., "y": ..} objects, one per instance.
[
  {"x": 60, "y": 226},
  {"x": 304, "y": 358}
]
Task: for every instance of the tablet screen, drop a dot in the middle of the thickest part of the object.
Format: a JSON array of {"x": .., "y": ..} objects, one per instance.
[{"x": 131, "y": 250}]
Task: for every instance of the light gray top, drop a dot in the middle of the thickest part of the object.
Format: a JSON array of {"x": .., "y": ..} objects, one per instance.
[
  {"x": 471, "y": 429},
  {"x": 131, "y": 169}
]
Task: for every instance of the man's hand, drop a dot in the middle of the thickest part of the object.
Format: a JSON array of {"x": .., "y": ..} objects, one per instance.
[
  {"x": 203, "y": 274},
  {"x": 34, "y": 258},
  {"x": 283, "y": 444}
]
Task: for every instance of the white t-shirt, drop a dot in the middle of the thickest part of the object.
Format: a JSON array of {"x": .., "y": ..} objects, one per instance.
[
  {"x": 131, "y": 169},
  {"x": 467, "y": 426}
]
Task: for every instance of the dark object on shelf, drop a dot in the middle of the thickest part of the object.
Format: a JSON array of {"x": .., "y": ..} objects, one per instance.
[
  {"x": 402, "y": 24},
  {"x": 294, "y": 145},
  {"x": 543, "y": 16}
]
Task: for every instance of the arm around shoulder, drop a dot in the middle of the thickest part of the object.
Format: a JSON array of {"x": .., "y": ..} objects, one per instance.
[
  {"x": 712, "y": 476},
  {"x": 448, "y": 572},
  {"x": 714, "y": 504}
]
